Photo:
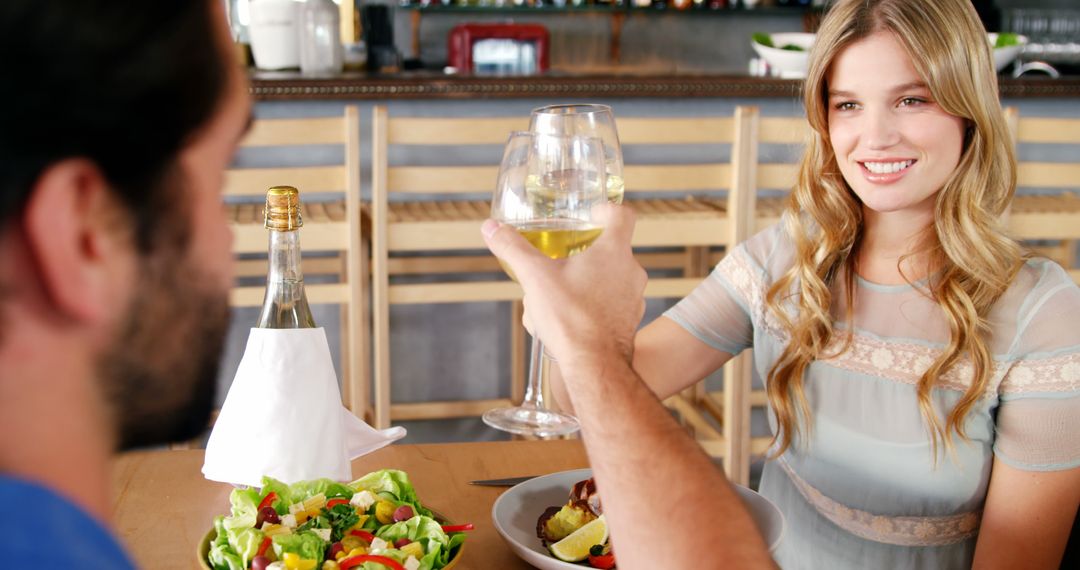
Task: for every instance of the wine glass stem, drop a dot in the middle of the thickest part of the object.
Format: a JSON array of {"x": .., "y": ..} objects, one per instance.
[{"x": 534, "y": 393}]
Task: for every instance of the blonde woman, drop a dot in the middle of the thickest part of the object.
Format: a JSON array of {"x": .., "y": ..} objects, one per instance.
[{"x": 923, "y": 373}]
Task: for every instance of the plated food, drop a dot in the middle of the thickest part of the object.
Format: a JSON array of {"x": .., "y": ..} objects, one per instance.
[
  {"x": 577, "y": 531},
  {"x": 374, "y": 523}
]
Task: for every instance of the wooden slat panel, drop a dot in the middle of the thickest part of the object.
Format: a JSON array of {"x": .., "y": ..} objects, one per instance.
[
  {"x": 1048, "y": 130},
  {"x": 777, "y": 176},
  {"x": 316, "y": 294},
  {"x": 442, "y": 179},
  {"x": 676, "y": 177},
  {"x": 481, "y": 264},
  {"x": 671, "y": 287},
  {"x": 282, "y": 132},
  {"x": 444, "y": 131},
  {"x": 432, "y": 236},
  {"x": 1045, "y": 225},
  {"x": 254, "y": 182},
  {"x": 454, "y": 292},
  {"x": 252, "y": 238},
  {"x": 693, "y": 417},
  {"x": 783, "y": 130},
  {"x": 697, "y": 130},
  {"x": 311, "y": 266},
  {"x": 1048, "y": 175},
  {"x": 439, "y": 410},
  {"x": 683, "y": 232}
]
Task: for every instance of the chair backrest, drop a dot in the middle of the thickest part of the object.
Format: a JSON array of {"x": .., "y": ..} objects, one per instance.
[
  {"x": 427, "y": 206},
  {"x": 1046, "y": 207},
  {"x": 778, "y": 165},
  {"x": 331, "y": 210}
]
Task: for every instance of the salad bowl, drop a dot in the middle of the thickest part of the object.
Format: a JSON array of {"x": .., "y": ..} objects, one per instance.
[
  {"x": 203, "y": 551},
  {"x": 310, "y": 520},
  {"x": 515, "y": 512},
  {"x": 787, "y": 53}
]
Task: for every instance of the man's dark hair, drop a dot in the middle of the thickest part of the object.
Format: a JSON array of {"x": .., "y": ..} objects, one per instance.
[{"x": 124, "y": 84}]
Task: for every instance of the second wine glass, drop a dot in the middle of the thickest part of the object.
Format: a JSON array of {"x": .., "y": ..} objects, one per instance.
[
  {"x": 586, "y": 120},
  {"x": 546, "y": 190}
]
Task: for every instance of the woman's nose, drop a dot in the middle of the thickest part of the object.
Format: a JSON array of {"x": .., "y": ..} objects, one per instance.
[{"x": 880, "y": 130}]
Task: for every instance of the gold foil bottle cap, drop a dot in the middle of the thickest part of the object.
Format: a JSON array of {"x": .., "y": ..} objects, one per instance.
[{"x": 282, "y": 212}]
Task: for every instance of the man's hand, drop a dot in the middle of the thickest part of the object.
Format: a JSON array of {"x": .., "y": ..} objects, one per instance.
[{"x": 588, "y": 305}]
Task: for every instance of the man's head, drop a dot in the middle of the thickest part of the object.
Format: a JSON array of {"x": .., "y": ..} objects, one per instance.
[{"x": 119, "y": 121}]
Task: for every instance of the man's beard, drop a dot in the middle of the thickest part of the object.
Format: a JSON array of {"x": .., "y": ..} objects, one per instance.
[{"x": 160, "y": 374}]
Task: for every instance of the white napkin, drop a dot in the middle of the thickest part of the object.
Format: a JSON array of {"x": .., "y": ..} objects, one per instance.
[{"x": 283, "y": 415}]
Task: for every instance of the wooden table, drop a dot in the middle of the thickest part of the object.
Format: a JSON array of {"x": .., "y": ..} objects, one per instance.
[{"x": 164, "y": 506}]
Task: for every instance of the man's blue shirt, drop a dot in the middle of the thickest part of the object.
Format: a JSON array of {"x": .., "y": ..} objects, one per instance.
[{"x": 45, "y": 530}]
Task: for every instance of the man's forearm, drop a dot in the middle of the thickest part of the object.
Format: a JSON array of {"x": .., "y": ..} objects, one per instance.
[{"x": 647, "y": 468}]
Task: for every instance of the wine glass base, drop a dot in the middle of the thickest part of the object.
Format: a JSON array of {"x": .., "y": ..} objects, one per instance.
[{"x": 531, "y": 421}]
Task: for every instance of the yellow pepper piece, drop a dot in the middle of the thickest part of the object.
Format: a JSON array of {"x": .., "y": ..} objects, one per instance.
[
  {"x": 384, "y": 512},
  {"x": 293, "y": 561},
  {"x": 358, "y": 551}
]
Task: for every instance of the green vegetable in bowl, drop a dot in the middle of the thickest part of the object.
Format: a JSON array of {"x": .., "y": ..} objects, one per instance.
[
  {"x": 309, "y": 522},
  {"x": 792, "y": 47},
  {"x": 1006, "y": 39},
  {"x": 763, "y": 39}
]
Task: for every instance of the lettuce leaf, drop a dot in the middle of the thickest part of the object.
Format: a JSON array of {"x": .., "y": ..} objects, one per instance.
[
  {"x": 221, "y": 558},
  {"x": 245, "y": 543},
  {"x": 284, "y": 493},
  {"x": 429, "y": 533},
  {"x": 245, "y": 509},
  {"x": 306, "y": 544},
  {"x": 305, "y": 489},
  {"x": 392, "y": 484}
]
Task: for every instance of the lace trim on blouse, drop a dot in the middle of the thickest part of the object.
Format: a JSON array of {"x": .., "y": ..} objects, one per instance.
[
  {"x": 906, "y": 362},
  {"x": 899, "y": 530}
]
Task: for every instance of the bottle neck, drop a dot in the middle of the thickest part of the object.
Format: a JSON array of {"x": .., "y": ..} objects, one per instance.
[{"x": 285, "y": 305}]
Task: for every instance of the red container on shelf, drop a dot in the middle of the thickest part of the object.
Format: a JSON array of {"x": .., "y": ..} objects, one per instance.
[{"x": 499, "y": 49}]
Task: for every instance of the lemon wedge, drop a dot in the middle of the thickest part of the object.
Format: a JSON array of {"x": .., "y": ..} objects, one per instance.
[{"x": 575, "y": 547}]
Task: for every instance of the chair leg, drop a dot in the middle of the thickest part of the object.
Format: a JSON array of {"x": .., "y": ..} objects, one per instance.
[{"x": 517, "y": 352}]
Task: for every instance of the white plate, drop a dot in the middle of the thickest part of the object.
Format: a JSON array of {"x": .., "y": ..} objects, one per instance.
[{"x": 515, "y": 513}]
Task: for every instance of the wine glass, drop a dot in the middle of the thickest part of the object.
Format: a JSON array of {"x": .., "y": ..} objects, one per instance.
[
  {"x": 546, "y": 190},
  {"x": 589, "y": 121}
]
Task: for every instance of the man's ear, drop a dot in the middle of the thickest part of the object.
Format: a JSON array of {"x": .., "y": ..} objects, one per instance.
[{"x": 77, "y": 236}]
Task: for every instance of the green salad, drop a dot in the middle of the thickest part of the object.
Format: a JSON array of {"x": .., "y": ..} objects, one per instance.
[
  {"x": 766, "y": 40},
  {"x": 373, "y": 523},
  {"x": 1006, "y": 39}
]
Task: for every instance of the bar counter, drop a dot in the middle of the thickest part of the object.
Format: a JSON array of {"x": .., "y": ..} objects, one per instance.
[{"x": 292, "y": 86}]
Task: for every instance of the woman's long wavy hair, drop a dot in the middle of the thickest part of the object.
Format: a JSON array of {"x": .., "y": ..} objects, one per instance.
[{"x": 974, "y": 261}]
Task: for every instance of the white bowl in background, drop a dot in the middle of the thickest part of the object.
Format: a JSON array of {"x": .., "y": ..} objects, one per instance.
[
  {"x": 1003, "y": 56},
  {"x": 788, "y": 63}
]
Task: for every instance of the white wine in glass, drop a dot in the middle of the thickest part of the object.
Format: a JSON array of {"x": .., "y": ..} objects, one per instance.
[{"x": 546, "y": 190}]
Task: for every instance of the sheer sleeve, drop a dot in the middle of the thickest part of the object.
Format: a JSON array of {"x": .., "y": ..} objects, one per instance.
[
  {"x": 1038, "y": 418},
  {"x": 721, "y": 310}
]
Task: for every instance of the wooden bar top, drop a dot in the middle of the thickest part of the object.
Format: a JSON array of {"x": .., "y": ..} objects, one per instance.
[
  {"x": 291, "y": 85},
  {"x": 163, "y": 506}
]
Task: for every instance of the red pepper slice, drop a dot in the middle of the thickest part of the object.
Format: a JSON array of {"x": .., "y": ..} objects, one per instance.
[
  {"x": 458, "y": 527},
  {"x": 363, "y": 534},
  {"x": 602, "y": 561},
  {"x": 268, "y": 501},
  {"x": 262, "y": 547},
  {"x": 333, "y": 502},
  {"x": 353, "y": 561}
]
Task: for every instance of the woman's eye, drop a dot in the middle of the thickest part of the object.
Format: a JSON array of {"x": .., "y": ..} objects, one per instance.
[
  {"x": 846, "y": 106},
  {"x": 911, "y": 101}
]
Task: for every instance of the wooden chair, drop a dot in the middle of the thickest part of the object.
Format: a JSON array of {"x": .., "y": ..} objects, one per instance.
[
  {"x": 670, "y": 217},
  {"x": 331, "y": 210},
  {"x": 750, "y": 212},
  {"x": 1041, "y": 217}
]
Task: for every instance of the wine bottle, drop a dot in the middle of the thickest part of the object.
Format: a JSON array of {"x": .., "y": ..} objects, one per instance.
[{"x": 285, "y": 306}]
